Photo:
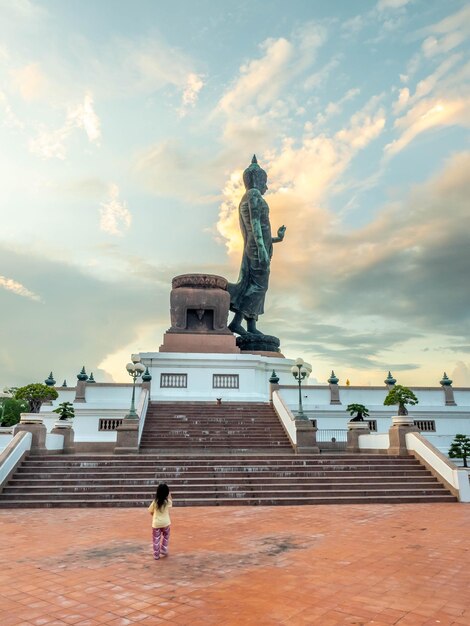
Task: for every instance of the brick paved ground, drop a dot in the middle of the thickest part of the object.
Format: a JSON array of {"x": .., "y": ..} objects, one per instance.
[{"x": 375, "y": 564}]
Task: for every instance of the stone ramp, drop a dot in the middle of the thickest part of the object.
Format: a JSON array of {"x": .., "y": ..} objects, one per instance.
[
  {"x": 230, "y": 426},
  {"x": 130, "y": 480}
]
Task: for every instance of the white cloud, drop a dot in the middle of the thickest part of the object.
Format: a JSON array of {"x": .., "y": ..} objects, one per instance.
[
  {"x": 317, "y": 79},
  {"x": 403, "y": 97},
  {"x": 115, "y": 217},
  {"x": 334, "y": 108},
  {"x": 460, "y": 375},
  {"x": 22, "y": 10},
  {"x": 353, "y": 25},
  {"x": 17, "y": 288},
  {"x": 10, "y": 119},
  {"x": 50, "y": 144},
  {"x": 84, "y": 116},
  {"x": 427, "y": 114},
  {"x": 385, "y": 5},
  {"x": 30, "y": 81},
  {"x": 194, "y": 84},
  {"x": 260, "y": 80}
]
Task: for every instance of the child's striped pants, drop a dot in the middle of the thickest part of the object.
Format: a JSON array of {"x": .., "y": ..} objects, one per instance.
[{"x": 161, "y": 537}]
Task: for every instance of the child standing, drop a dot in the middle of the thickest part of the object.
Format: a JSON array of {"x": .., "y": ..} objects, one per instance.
[{"x": 160, "y": 510}]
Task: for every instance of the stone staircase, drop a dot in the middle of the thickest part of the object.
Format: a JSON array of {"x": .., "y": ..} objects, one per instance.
[
  {"x": 232, "y": 454},
  {"x": 231, "y": 427},
  {"x": 98, "y": 480}
]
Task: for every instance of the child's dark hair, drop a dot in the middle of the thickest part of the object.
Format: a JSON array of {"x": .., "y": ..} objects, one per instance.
[{"x": 162, "y": 494}]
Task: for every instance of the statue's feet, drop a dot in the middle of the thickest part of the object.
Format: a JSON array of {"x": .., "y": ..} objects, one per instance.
[
  {"x": 251, "y": 327},
  {"x": 237, "y": 329}
]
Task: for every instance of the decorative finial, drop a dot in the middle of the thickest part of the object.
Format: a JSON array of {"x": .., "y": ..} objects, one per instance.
[
  {"x": 390, "y": 380},
  {"x": 146, "y": 376},
  {"x": 254, "y": 159},
  {"x": 50, "y": 382},
  {"x": 333, "y": 379},
  {"x": 91, "y": 379},
  {"x": 274, "y": 379},
  {"x": 83, "y": 375},
  {"x": 446, "y": 381},
  {"x": 64, "y": 384}
]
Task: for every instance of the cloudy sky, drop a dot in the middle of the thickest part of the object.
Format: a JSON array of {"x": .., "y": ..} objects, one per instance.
[{"x": 124, "y": 129}]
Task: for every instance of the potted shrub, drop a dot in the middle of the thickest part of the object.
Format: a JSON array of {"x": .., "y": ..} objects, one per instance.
[
  {"x": 460, "y": 448},
  {"x": 34, "y": 395},
  {"x": 66, "y": 413},
  {"x": 402, "y": 396},
  {"x": 358, "y": 412}
]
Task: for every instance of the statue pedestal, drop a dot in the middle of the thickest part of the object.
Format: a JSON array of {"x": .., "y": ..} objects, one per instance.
[
  {"x": 199, "y": 305},
  {"x": 198, "y": 342}
]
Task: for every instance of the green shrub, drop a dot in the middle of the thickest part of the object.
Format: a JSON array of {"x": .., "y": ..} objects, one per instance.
[
  {"x": 35, "y": 394},
  {"x": 10, "y": 411},
  {"x": 460, "y": 448},
  {"x": 401, "y": 395}
]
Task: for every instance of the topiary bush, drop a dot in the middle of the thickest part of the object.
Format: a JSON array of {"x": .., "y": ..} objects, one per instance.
[
  {"x": 402, "y": 396},
  {"x": 358, "y": 412},
  {"x": 460, "y": 448},
  {"x": 35, "y": 395}
]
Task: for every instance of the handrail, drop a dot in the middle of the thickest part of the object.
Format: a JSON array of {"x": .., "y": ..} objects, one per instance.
[
  {"x": 456, "y": 478},
  {"x": 286, "y": 417},
  {"x": 142, "y": 411},
  {"x": 12, "y": 455}
]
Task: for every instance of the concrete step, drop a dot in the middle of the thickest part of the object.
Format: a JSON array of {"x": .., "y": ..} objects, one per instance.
[
  {"x": 234, "y": 489},
  {"x": 276, "y": 501}
]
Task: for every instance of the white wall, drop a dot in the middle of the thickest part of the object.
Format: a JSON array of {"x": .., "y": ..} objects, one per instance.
[{"x": 254, "y": 372}]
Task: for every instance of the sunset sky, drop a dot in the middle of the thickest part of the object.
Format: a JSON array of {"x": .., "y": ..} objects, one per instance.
[{"x": 125, "y": 127}]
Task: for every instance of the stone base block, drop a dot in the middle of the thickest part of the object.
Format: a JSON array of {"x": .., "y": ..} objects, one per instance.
[
  {"x": 355, "y": 429},
  {"x": 306, "y": 437},
  {"x": 68, "y": 434},
  {"x": 199, "y": 343},
  {"x": 127, "y": 437},
  {"x": 397, "y": 434},
  {"x": 38, "y": 431}
]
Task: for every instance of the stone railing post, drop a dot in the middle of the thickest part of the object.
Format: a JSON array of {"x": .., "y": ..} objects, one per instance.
[
  {"x": 306, "y": 434},
  {"x": 127, "y": 437},
  {"x": 355, "y": 430},
  {"x": 80, "y": 391},
  {"x": 401, "y": 425},
  {"x": 334, "y": 389},
  {"x": 38, "y": 432},
  {"x": 446, "y": 384},
  {"x": 68, "y": 434}
]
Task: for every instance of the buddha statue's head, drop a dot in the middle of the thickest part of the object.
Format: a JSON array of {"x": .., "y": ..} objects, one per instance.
[{"x": 255, "y": 177}]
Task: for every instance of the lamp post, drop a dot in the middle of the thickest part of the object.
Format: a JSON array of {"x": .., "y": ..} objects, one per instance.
[
  {"x": 135, "y": 369},
  {"x": 300, "y": 371}
]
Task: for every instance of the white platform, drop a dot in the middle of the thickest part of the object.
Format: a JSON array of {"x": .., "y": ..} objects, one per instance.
[{"x": 253, "y": 373}]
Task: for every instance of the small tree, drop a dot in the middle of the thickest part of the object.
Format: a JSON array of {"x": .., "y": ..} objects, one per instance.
[
  {"x": 35, "y": 394},
  {"x": 358, "y": 412},
  {"x": 460, "y": 448},
  {"x": 401, "y": 395},
  {"x": 65, "y": 411}
]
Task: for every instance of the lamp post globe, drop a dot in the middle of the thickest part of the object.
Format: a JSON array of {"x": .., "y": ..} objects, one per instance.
[
  {"x": 300, "y": 371},
  {"x": 135, "y": 369}
]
